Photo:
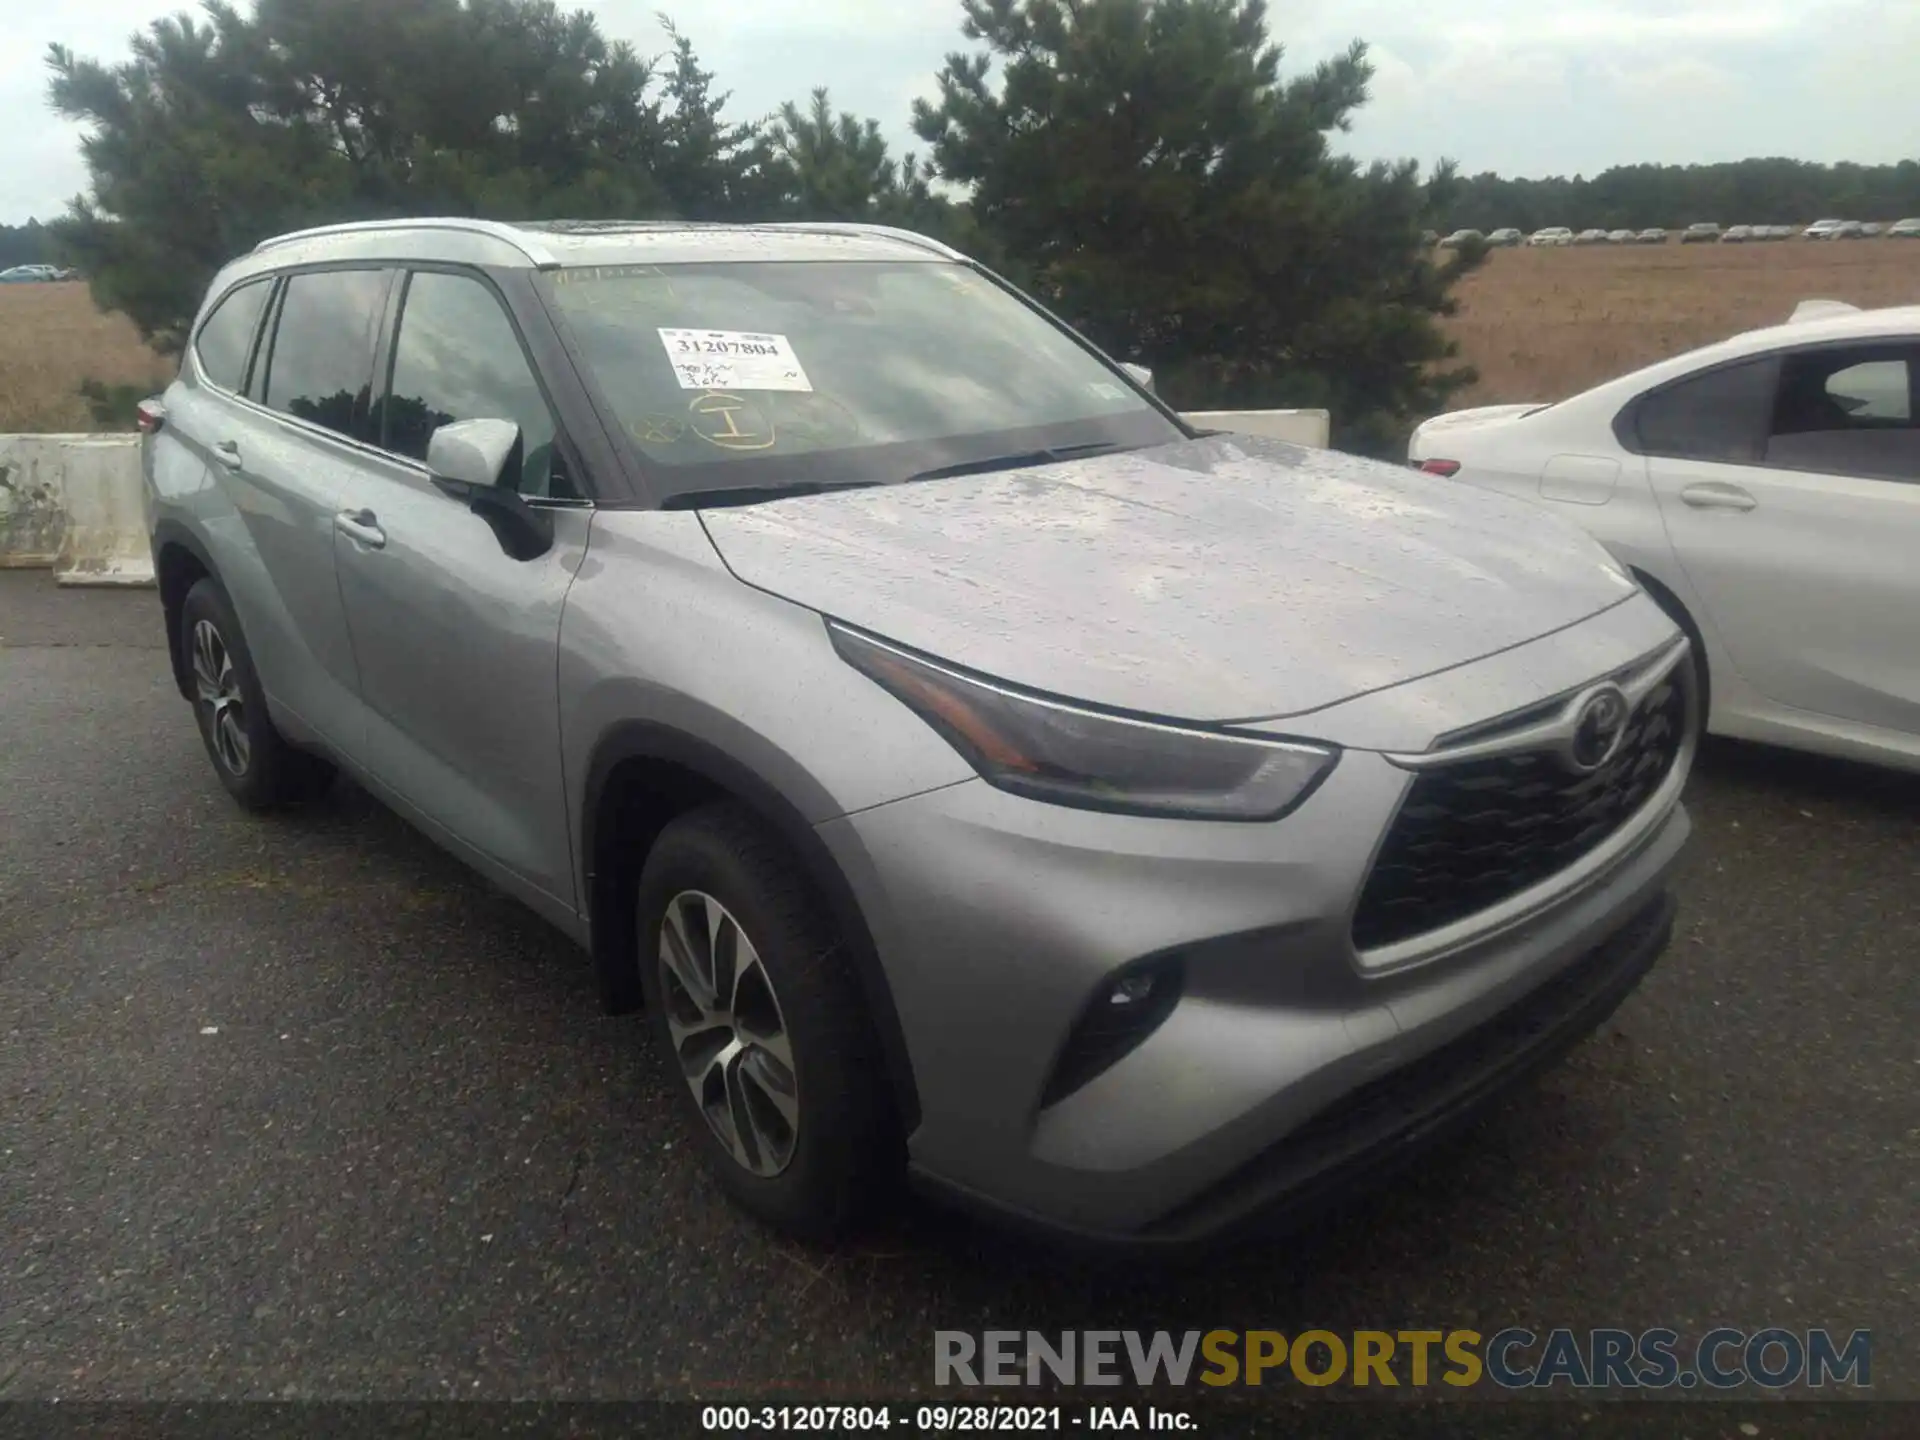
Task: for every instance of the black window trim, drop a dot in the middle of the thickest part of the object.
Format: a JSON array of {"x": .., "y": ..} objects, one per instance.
[
  {"x": 272, "y": 282},
  {"x": 1626, "y": 419},
  {"x": 386, "y": 353}
]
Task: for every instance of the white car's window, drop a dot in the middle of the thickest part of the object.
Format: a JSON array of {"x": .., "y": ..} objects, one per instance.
[
  {"x": 1848, "y": 411},
  {"x": 1872, "y": 390},
  {"x": 1720, "y": 415}
]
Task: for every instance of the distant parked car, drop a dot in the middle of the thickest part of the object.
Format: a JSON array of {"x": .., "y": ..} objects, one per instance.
[
  {"x": 1506, "y": 235},
  {"x": 1652, "y": 236},
  {"x": 1736, "y": 234},
  {"x": 1620, "y": 237},
  {"x": 1833, "y": 230},
  {"x": 1551, "y": 235},
  {"x": 1590, "y": 236},
  {"x": 1459, "y": 238},
  {"x": 29, "y": 275},
  {"x": 1766, "y": 492},
  {"x": 1704, "y": 232},
  {"x": 1869, "y": 229},
  {"x": 1904, "y": 229}
]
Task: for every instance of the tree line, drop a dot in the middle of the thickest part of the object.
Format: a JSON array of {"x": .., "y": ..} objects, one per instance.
[
  {"x": 28, "y": 244},
  {"x": 1636, "y": 197}
]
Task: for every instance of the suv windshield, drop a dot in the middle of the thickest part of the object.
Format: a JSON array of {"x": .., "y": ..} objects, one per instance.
[{"x": 742, "y": 375}]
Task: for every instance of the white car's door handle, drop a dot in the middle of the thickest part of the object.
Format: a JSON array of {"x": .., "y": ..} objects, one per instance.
[
  {"x": 362, "y": 527},
  {"x": 1716, "y": 495},
  {"x": 228, "y": 454}
]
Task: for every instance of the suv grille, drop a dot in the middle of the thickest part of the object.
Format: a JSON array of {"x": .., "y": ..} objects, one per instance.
[{"x": 1470, "y": 835}]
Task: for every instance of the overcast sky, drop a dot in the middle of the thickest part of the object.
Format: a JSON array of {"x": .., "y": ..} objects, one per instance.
[{"x": 1524, "y": 87}]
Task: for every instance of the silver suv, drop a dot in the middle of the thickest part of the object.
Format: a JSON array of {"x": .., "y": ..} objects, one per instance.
[{"x": 978, "y": 773}]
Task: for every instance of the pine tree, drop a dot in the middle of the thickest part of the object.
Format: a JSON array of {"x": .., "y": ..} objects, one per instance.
[{"x": 1144, "y": 167}]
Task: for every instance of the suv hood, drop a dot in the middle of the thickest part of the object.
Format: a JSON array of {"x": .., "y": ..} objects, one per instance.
[{"x": 1225, "y": 578}]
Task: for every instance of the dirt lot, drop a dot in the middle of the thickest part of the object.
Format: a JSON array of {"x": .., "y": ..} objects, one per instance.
[
  {"x": 52, "y": 338},
  {"x": 1546, "y": 324}
]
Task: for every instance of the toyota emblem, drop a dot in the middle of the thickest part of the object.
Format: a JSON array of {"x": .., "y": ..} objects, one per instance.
[{"x": 1599, "y": 727}]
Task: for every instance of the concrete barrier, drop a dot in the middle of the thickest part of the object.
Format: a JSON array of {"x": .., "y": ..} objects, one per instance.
[
  {"x": 1303, "y": 427},
  {"x": 73, "y": 503}
]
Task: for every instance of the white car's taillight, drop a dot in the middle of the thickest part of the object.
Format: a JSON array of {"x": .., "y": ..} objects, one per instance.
[{"x": 1439, "y": 467}]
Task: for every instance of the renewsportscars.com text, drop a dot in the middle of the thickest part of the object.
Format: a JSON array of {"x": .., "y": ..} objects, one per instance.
[{"x": 1514, "y": 1358}]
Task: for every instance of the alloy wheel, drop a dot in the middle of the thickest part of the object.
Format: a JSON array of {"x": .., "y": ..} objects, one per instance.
[
  {"x": 728, "y": 1034},
  {"x": 218, "y": 689}
]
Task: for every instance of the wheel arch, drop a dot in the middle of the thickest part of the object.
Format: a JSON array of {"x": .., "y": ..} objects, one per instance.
[
  {"x": 641, "y": 776},
  {"x": 1677, "y": 611}
]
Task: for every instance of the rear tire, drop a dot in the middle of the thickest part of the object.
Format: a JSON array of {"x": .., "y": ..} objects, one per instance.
[
  {"x": 255, "y": 763},
  {"x": 760, "y": 1025}
]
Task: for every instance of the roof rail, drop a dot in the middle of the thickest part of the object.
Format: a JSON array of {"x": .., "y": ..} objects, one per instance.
[
  {"x": 507, "y": 234},
  {"x": 855, "y": 227}
]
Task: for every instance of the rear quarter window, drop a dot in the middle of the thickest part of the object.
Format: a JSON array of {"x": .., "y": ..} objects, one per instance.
[{"x": 225, "y": 341}]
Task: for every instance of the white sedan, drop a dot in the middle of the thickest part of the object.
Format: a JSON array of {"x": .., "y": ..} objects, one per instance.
[{"x": 1766, "y": 491}]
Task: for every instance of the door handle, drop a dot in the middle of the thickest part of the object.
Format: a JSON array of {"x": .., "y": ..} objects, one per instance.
[
  {"x": 1716, "y": 495},
  {"x": 362, "y": 527},
  {"x": 228, "y": 454}
]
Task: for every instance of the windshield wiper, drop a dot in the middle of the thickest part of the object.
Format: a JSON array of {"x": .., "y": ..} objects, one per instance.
[
  {"x": 756, "y": 494},
  {"x": 1018, "y": 460}
]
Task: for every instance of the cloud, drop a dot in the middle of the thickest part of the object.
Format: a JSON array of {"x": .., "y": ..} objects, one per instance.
[{"x": 1518, "y": 86}]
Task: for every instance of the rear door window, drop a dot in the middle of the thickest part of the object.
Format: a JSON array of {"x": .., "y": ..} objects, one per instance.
[
  {"x": 226, "y": 339},
  {"x": 1848, "y": 411},
  {"x": 1719, "y": 415},
  {"x": 321, "y": 366}
]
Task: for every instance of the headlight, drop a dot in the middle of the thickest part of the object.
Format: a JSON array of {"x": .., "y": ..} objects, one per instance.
[{"x": 1050, "y": 751}]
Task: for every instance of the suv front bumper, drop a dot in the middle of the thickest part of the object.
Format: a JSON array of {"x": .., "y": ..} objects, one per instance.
[{"x": 997, "y": 919}]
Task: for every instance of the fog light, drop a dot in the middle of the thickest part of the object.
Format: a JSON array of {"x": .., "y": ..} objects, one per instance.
[{"x": 1118, "y": 1015}]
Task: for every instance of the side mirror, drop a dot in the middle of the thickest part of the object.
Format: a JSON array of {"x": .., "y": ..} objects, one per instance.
[
  {"x": 469, "y": 460},
  {"x": 472, "y": 452},
  {"x": 1142, "y": 376}
]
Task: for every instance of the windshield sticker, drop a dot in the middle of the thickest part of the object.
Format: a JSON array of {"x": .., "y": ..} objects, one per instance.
[
  {"x": 1105, "y": 390},
  {"x": 733, "y": 360}
]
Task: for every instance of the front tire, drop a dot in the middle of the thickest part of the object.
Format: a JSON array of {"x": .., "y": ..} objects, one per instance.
[
  {"x": 761, "y": 1027},
  {"x": 255, "y": 763}
]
